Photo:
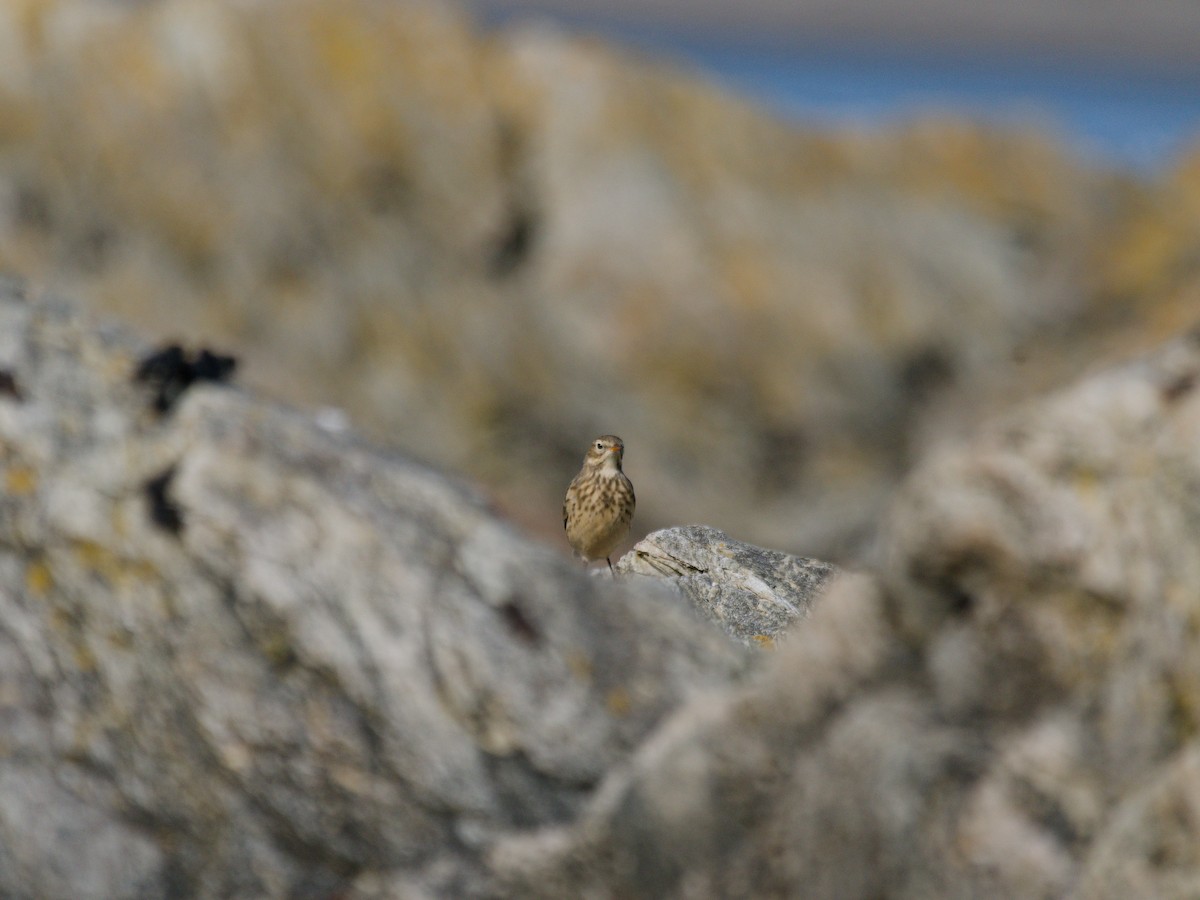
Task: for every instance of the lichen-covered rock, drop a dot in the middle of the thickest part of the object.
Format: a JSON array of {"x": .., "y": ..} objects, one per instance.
[
  {"x": 1010, "y": 710},
  {"x": 487, "y": 248},
  {"x": 240, "y": 656},
  {"x": 751, "y": 592}
]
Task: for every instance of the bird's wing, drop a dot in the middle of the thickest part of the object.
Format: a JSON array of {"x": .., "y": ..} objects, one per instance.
[{"x": 567, "y": 500}]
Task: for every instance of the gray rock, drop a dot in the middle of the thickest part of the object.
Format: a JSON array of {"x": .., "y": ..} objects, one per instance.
[
  {"x": 241, "y": 656},
  {"x": 1009, "y": 710},
  {"x": 752, "y": 593}
]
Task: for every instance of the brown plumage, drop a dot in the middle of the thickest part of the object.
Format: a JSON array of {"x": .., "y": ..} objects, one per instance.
[{"x": 599, "y": 506}]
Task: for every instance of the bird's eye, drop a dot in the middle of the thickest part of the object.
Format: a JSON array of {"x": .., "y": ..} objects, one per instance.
[{"x": 599, "y": 445}]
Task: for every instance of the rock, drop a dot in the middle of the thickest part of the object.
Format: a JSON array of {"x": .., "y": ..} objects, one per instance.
[
  {"x": 1143, "y": 258},
  {"x": 753, "y": 593},
  {"x": 1008, "y": 710},
  {"x": 242, "y": 656},
  {"x": 1148, "y": 847}
]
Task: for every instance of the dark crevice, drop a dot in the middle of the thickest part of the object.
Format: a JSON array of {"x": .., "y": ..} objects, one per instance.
[
  {"x": 164, "y": 511},
  {"x": 31, "y": 208},
  {"x": 1180, "y": 386},
  {"x": 515, "y": 245},
  {"x": 387, "y": 188},
  {"x": 519, "y": 623},
  {"x": 516, "y": 241},
  {"x": 927, "y": 371},
  {"x": 9, "y": 386},
  {"x": 91, "y": 247},
  {"x": 171, "y": 370}
]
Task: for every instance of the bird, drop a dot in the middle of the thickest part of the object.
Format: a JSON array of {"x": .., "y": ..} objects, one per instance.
[{"x": 598, "y": 509}]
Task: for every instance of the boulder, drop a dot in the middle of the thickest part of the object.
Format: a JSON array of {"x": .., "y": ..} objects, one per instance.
[
  {"x": 753, "y": 593},
  {"x": 1008, "y": 709},
  {"x": 242, "y": 655}
]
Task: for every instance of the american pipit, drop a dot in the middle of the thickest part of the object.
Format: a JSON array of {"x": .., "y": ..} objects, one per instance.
[{"x": 599, "y": 505}]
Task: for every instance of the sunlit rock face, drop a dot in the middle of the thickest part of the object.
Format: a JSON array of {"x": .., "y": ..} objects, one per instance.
[
  {"x": 243, "y": 652},
  {"x": 246, "y": 652},
  {"x": 242, "y": 656},
  {"x": 1006, "y": 707}
]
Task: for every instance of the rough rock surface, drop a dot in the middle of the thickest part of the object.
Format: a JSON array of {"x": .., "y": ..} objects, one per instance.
[
  {"x": 1011, "y": 710},
  {"x": 241, "y": 656},
  {"x": 751, "y": 592}
]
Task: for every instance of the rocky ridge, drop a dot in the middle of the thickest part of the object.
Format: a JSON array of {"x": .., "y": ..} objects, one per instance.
[
  {"x": 244, "y": 651},
  {"x": 240, "y": 654},
  {"x": 1008, "y": 709}
]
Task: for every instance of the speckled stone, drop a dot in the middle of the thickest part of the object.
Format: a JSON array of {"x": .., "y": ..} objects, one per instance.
[{"x": 753, "y": 593}]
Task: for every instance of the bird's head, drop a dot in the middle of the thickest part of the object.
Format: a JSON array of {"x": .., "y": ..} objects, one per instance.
[{"x": 605, "y": 452}]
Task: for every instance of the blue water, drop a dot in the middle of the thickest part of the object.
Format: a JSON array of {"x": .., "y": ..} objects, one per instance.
[
  {"x": 1140, "y": 119},
  {"x": 1125, "y": 118}
]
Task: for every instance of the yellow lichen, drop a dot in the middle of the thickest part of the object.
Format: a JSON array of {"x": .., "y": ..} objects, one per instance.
[
  {"x": 38, "y": 580},
  {"x": 277, "y": 648},
  {"x": 85, "y": 660},
  {"x": 95, "y": 558},
  {"x": 121, "y": 639},
  {"x": 1088, "y": 481},
  {"x": 764, "y": 640},
  {"x": 114, "y": 569},
  {"x": 618, "y": 702},
  {"x": 20, "y": 480},
  {"x": 580, "y": 666}
]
